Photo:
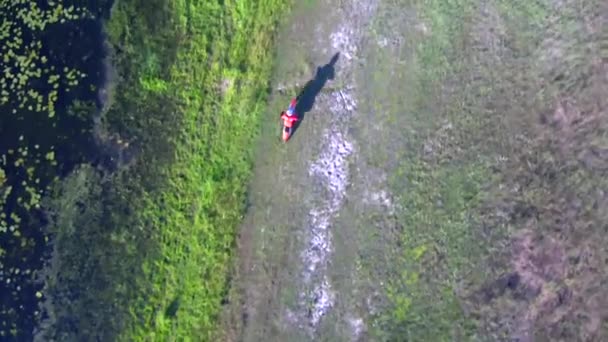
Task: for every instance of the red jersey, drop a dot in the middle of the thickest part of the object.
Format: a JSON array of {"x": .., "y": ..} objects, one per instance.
[{"x": 289, "y": 120}]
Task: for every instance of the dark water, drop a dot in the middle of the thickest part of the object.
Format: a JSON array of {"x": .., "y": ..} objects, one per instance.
[{"x": 44, "y": 149}]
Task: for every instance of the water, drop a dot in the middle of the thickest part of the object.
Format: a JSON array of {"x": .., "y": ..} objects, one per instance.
[{"x": 37, "y": 149}]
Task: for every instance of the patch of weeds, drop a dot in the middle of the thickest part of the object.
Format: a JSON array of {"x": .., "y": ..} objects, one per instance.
[{"x": 438, "y": 247}]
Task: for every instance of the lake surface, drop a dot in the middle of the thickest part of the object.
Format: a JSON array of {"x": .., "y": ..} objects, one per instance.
[{"x": 39, "y": 146}]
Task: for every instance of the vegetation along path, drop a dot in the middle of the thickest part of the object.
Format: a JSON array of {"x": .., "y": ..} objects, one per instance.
[{"x": 124, "y": 154}]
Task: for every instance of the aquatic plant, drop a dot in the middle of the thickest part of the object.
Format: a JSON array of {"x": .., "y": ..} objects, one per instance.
[
  {"x": 32, "y": 77},
  {"x": 23, "y": 65}
]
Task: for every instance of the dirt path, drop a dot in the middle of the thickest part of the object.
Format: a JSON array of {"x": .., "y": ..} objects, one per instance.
[
  {"x": 315, "y": 242},
  {"x": 440, "y": 131}
]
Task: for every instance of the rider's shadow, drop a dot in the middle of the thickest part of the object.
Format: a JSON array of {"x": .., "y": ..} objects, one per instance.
[{"x": 306, "y": 98}]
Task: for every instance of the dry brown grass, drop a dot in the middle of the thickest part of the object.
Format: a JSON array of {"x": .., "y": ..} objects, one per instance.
[{"x": 557, "y": 205}]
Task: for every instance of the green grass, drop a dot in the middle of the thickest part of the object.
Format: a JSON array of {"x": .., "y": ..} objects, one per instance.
[
  {"x": 483, "y": 168},
  {"x": 152, "y": 259}
]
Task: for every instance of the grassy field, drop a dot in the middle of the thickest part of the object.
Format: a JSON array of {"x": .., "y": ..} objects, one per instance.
[
  {"x": 503, "y": 183},
  {"x": 143, "y": 242}
]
